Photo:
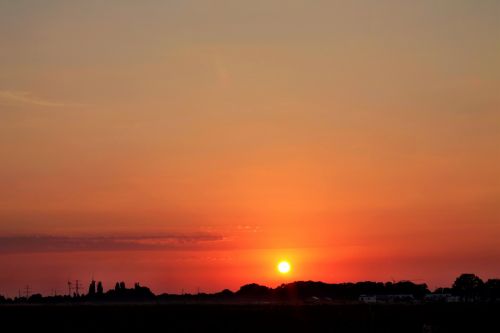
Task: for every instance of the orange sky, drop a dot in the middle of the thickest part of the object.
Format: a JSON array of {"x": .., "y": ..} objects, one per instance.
[{"x": 190, "y": 144}]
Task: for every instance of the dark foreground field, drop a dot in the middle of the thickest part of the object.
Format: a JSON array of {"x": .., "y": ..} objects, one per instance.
[{"x": 251, "y": 318}]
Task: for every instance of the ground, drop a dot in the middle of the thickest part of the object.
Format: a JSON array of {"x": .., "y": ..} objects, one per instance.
[{"x": 252, "y": 318}]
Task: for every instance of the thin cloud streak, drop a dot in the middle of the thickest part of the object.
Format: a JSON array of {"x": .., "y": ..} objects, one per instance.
[
  {"x": 9, "y": 97},
  {"x": 40, "y": 244}
]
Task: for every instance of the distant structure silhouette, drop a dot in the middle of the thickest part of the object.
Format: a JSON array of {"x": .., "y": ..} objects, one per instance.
[
  {"x": 77, "y": 288},
  {"x": 28, "y": 291},
  {"x": 70, "y": 288}
]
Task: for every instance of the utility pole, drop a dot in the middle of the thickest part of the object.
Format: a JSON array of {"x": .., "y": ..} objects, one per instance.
[
  {"x": 77, "y": 288},
  {"x": 69, "y": 288},
  {"x": 27, "y": 289}
]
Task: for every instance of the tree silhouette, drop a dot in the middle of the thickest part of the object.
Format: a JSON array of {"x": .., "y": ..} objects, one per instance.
[
  {"x": 468, "y": 286},
  {"x": 92, "y": 288},
  {"x": 492, "y": 289},
  {"x": 100, "y": 290}
]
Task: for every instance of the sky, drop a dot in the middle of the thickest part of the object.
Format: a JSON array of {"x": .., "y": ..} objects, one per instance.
[{"x": 195, "y": 144}]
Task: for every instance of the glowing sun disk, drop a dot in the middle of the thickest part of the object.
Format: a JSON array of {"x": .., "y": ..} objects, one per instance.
[{"x": 284, "y": 267}]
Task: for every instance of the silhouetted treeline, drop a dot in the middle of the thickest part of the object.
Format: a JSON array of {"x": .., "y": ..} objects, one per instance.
[
  {"x": 471, "y": 288},
  {"x": 466, "y": 288}
]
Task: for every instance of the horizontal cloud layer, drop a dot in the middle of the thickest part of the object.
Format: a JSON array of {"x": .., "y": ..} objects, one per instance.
[{"x": 30, "y": 244}]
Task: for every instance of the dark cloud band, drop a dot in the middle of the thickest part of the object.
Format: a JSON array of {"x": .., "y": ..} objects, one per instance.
[{"x": 31, "y": 244}]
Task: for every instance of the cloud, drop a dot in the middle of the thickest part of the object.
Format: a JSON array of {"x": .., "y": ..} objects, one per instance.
[
  {"x": 11, "y": 97},
  {"x": 37, "y": 244}
]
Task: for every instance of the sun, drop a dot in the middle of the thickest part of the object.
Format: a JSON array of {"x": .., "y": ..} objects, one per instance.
[{"x": 284, "y": 267}]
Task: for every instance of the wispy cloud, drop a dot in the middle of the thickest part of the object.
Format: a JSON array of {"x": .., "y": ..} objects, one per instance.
[
  {"x": 34, "y": 244},
  {"x": 11, "y": 97}
]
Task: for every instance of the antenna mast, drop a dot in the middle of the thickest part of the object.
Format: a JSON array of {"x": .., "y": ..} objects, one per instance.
[{"x": 70, "y": 288}]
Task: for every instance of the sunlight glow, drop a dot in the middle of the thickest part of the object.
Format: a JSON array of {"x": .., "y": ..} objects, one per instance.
[{"x": 284, "y": 267}]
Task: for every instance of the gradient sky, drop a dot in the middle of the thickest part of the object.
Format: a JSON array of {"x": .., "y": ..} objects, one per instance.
[{"x": 190, "y": 144}]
